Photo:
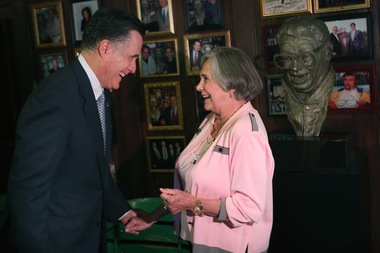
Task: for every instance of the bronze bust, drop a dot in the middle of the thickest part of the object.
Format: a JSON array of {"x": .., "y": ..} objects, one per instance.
[{"x": 305, "y": 53}]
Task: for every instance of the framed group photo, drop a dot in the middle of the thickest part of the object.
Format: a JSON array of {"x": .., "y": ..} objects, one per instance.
[
  {"x": 339, "y": 5},
  {"x": 51, "y": 62},
  {"x": 196, "y": 45},
  {"x": 271, "y": 8},
  {"x": 201, "y": 15},
  {"x": 163, "y": 106},
  {"x": 82, "y": 13},
  {"x": 156, "y": 15},
  {"x": 159, "y": 58},
  {"x": 163, "y": 152},
  {"x": 275, "y": 95},
  {"x": 48, "y": 26},
  {"x": 351, "y": 36},
  {"x": 354, "y": 90}
]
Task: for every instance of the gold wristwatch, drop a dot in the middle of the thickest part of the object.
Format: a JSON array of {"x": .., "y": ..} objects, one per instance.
[{"x": 198, "y": 209}]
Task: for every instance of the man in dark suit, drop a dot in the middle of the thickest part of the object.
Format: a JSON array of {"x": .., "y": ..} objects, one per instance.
[
  {"x": 357, "y": 41},
  {"x": 334, "y": 36},
  {"x": 60, "y": 187},
  {"x": 170, "y": 115},
  {"x": 196, "y": 56}
]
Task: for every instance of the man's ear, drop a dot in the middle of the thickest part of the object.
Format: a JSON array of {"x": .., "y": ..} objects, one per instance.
[{"x": 104, "y": 48}]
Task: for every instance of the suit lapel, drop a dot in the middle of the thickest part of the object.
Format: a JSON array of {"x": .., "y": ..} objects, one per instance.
[{"x": 90, "y": 110}]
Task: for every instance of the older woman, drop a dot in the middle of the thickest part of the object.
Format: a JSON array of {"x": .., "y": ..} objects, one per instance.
[{"x": 224, "y": 175}]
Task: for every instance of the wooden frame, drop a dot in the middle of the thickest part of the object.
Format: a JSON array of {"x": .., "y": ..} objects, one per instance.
[
  {"x": 47, "y": 33},
  {"x": 150, "y": 14},
  {"x": 78, "y": 19},
  {"x": 270, "y": 43},
  {"x": 46, "y": 60},
  {"x": 321, "y": 6},
  {"x": 158, "y": 54},
  {"x": 349, "y": 49},
  {"x": 363, "y": 101},
  {"x": 158, "y": 100},
  {"x": 204, "y": 15},
  {"x": 271, "y": 8},
  {"x": 174, "y": 146},
  {"x": 275, "y": 95},
  {"x": 204, "y": 42}
]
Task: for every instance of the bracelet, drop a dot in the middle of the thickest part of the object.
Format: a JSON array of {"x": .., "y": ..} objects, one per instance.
[{"x": 198, "y": 209}]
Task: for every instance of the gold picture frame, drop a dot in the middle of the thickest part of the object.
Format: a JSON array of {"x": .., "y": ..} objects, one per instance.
[
  {"x": 164, "y": 161},
  {"x": 149, "y": 12},
  {"x": 163, "y": 106},
  {"x": 321, "y": 7},
  {"x": 271, "y": 8},
  {"x": 48, "y": 26},
  {"x": 202, "y": 43},
  {"x": 159, "y": 51}
]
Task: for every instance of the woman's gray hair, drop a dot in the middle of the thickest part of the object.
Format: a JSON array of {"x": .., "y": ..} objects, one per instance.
[{"x": 231, "y": 68}]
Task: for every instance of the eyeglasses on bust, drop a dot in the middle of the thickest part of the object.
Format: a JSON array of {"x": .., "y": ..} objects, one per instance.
[{"x": 287, "y": 61}]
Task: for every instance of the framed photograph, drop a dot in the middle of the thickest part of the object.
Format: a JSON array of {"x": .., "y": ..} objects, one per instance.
[
  {"x": 156, "y": 15},
  {"x": 339, "y": 5},
  {"x": 163, "y": 106},
  {"x": 163, "y": 152},
  {"x": 82, "y": 13},
  {"x": 196, "y": 45},
  {"x": 270, "y": 43},
  {"x": 276, "y": 95},
  {"x": 48, "y": 24},
  {"x": 351, "y": 36},
  {"x": 271, "y": 8},
  {"x": 51, "y": 62},
  {"x": 159, "y": 58},
  {"x": 354, "y": 90},
  {"x": 202, "y": 15}
]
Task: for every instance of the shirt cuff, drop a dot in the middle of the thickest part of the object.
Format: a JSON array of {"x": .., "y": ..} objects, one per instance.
[{"x": 124, "y": 215}]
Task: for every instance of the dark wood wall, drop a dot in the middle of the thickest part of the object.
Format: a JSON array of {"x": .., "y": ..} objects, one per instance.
[{"x": 18, "y": 58}]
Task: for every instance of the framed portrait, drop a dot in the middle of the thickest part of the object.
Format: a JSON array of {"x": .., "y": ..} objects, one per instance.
[
  {"x": 82, "y": 13},
  {"x": 159, "y": 58},
  {"x": 47, "y": 20},
  {"x": 351, "y": 36},
  {"x": 204, "y": 15},
  {"x": 270, "y": 43},
  {"x": 339, "y": 5},
  {"x": 276, "y": 95},
  {"x": 196, "y": 45},
  {"x": 163, "y": 106},
  {"x": 156, "y": 15},
  {"x": 271, "y": 8},
  {"x": 354, "y": 90},
  {"x": 51, "y": 62},
  {"x": 163, "y": 152}
]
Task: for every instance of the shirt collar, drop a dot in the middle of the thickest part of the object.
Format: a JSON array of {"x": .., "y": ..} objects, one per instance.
[{"x": 95, "y": 84}]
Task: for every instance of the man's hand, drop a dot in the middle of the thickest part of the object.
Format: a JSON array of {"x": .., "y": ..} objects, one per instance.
[{"x": 136, "y": 224}]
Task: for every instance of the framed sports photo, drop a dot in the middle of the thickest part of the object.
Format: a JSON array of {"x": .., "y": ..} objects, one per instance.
[
  {"x": 321, "y": 6},
  {"x": 196, "y": 45},
  {"x": 354, "y": 90},
  {"x": 353, "y": 37},
  {"x": 48, "y": 26},
  {"x": 275, "y": 8},
  {"x": 163, "y": 106},
  {"x": 157, "y": 16},
  {"x": 163, "y": 152},
  {"x": 82, "y": 13},
  {"x": 275, "y": 95}
]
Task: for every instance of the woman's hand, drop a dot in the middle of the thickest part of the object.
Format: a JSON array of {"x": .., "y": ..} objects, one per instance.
[{"x": 176, "y": 200}]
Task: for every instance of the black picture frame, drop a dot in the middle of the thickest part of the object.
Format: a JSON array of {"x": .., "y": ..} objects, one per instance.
[
  {"x": 321, "y": 6},
  {"x": 275, "y": 95},
  {"x": 348, "y": 50},
  {"x": 202, "y": 15},
  {"x": 77, "y": 8}
]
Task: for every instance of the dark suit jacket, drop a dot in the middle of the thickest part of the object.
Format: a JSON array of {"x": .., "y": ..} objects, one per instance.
[
  {"x": 60, "y": 186},
  {"x": 337, "y": 48},
  {"x": 200, "y": 54}
]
